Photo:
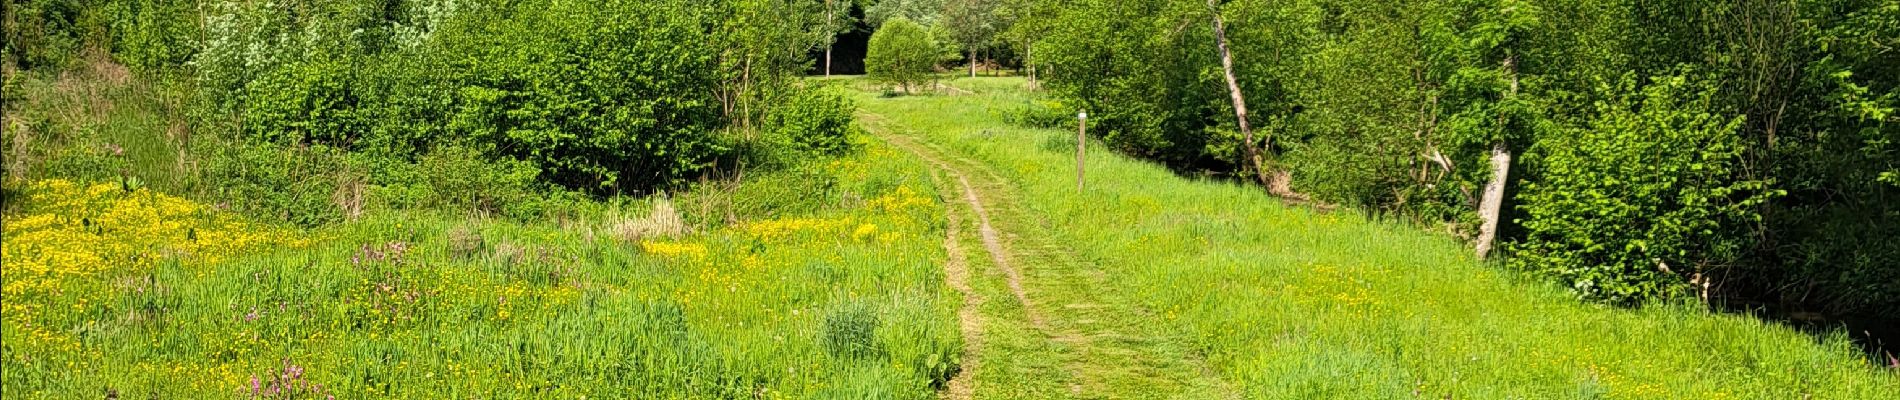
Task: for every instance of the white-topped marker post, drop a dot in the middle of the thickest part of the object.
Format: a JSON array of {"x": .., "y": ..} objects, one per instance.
[{"x": 1081, "y": 145}]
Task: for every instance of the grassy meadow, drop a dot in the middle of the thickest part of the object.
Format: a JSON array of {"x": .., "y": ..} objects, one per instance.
[
  {"x": 1291, "y": 303},
  {"x": 826, "y": 279},
  {"x": 815, "y": 281}
]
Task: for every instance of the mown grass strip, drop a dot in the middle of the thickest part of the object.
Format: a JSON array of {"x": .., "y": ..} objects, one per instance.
[{"x": 1292, "y": 303}]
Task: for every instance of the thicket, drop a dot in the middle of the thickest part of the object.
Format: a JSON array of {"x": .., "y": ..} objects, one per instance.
[
  {"x": 903, "y": 54},
  {"x": 1723, "y": 148},
  {"x": 313, "y": 110}
]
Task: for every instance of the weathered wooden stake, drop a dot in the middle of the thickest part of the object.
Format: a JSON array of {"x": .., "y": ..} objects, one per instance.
[{"x": 1081, "y": 145}]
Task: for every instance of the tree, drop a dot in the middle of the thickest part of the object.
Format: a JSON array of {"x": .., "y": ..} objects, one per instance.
[
  {"x": 1645, "y": 196},
  {"x": 921, "y": 12},
  {"x": 837, "y": 21},
  {"x": 902, "y": 53},
  {"x": 1482, "y": 42},
  {"x": 1240, "y": 102},
  {"x": 971, "y": 23},
  {"x": 762, "y": 45},
  {"x": 1028, "y": 22}
]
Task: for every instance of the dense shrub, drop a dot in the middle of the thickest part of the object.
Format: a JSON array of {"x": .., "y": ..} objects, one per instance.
[
  {"x": 605, "y": 96},
  {"x": 48, "y": 34},
  {"x": 156, "y": 36},
  {"x": 1041, "y": 114},
  {"x": 318, "y": 101},
  {"x": 816, "y": 120},
  {"x": 902, "y": 53},
  {"x": 297, "y": 185},
  {"x": 456, "y": 177},
  {"x": 1394, "y": 106},
  {"x": 1648, "y": 196}
]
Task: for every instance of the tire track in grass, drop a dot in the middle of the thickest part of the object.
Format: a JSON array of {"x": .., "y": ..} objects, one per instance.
[
  {"x": 956, "y": 272},
  {"x": 1105, "y": 342},
  {"x": 965, "y": 384}
]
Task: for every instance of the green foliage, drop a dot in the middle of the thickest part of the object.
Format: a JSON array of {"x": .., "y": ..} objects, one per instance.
[
  {"x": 49, "y": 34},
  {"x": 604, "y": 96},
  {"x": 816, "y": 120},
  {"x": 923, "y": 12},
  {"x": 1835, "y": 147},
  {"x": 1648, "y": 196},
  {"x": 296, "y": 185},
  {"x": 1394, "y": 106},
  {"x": 457, "y": 177},
  {"x": 1041, "y": 114},
  {"x": 158, "y": 36},
  {"x": 1293, "y": 303},
  {"x": 970, "y": 23},
  {"x": 902, "y": 53}
]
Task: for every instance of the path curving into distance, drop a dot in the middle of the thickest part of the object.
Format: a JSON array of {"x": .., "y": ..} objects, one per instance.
[{"x": 1037, "y": 321}]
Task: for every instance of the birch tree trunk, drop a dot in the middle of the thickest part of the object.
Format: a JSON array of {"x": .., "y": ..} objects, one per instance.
[
  {"x": 1240, "y": 102},
  {"x": 1029, "y": 62},
  {"x": 1491, "y": 207},
  {"x": 829, "y": 19}
]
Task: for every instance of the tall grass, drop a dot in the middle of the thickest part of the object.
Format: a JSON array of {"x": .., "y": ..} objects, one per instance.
[
  {"x": 98, "y": 122},
  {"x": 1293, "y": 303},
  {"x": 826, "y": 285}
]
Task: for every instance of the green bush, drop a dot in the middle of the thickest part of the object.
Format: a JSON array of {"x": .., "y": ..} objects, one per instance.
[
  {"x": 814, "y": 120},
  {"x": 49, "y": 34},
  {"x": 1041, "y": 114},
  {"x": 608, "y": 96},
  {"x": 457, "y": 177},
  {"x": 297, "y": 185},
  {"x": 307, "y": 102},
  {"x": 1644, "y": 198},
  {"x": 902, "y": 53},
  {"x": 154, "y": 35}
]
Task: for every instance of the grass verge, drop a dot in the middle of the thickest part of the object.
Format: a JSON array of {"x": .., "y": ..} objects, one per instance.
[
  {"x": 819, "y": 281},
  {"x": 1291, "y": 303}
]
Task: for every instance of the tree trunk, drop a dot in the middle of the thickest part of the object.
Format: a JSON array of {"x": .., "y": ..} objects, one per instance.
[
  {"x": 1491, "y": 207},
  {"x": 972, "y": 62},
  {"x": 1240, "y": 102},
  {"x": 1029, "y": 63},
  {"x": 829, "y": 19}
]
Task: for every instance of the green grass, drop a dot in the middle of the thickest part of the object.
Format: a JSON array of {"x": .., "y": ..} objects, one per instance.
[
  {"x": 70, "y": 125},
  {"x": 826, "y": 285},
  {"x": 822, "y": 280},
  {"x": 1291, "y": 303}
]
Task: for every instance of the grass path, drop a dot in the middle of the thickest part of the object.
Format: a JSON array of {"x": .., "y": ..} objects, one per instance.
[
  {"x": 1149, "y": 285},
  {"x": 1064, "y": 307}
]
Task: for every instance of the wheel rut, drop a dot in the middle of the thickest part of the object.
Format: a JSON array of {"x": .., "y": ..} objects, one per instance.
[{"x": 1103, "y": 345}]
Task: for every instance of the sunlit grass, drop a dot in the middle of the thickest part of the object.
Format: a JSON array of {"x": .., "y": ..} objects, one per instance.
[
  {"x": 834, "y": 290},
  {"x": 1292, "y": 303}
]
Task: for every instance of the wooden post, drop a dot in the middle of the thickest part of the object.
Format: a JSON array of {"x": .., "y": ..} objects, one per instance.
[{"x": 1081, "y": 146}]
